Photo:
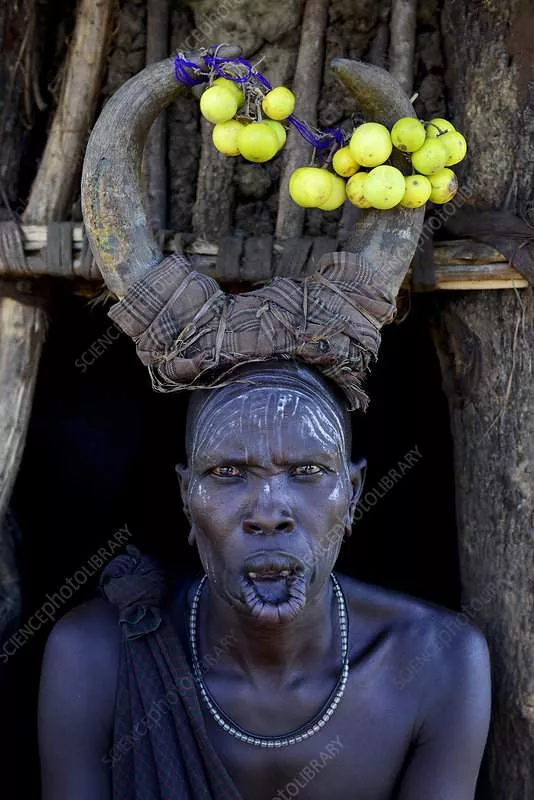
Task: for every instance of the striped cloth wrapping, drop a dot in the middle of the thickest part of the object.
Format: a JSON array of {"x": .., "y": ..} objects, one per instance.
[{"x": 190, "y": 333}]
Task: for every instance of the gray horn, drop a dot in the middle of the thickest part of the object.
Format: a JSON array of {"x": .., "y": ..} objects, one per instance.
[
  {"x": 112, "y": 189},
  {"x": 387, "y": 239}
]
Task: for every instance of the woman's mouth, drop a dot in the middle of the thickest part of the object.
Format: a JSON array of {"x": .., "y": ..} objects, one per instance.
[
  {"x": 270, "y": 574},
  {"x": 274, "y": 588}
]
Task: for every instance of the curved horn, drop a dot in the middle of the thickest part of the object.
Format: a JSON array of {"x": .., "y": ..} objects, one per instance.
[
  {"x": 112, "y": 189},
  {"x": 387, "y": 239},
  {"x": 112, "y": 192}
]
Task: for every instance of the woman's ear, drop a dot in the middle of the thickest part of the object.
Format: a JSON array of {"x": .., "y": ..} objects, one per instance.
[
  {"x": 357, "y": 476},
  {"x": 184, "y": 474}
]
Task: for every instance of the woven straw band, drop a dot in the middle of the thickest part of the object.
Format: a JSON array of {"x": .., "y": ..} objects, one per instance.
[{"x": 190, "y": 333}]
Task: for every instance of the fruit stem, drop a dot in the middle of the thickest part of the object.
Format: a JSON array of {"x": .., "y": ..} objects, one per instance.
[
  {"x": 333, "y": 147},
  {"x": 439, "y": 130}
]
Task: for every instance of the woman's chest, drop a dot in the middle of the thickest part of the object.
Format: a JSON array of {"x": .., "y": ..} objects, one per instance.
[{"x": 358, "y": 755}]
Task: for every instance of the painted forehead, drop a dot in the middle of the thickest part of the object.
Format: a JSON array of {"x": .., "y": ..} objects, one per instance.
[{"x": 259, "y": 419}]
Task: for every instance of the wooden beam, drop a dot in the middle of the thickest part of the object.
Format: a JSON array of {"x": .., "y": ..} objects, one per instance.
[{"x": 460, "y": 265}]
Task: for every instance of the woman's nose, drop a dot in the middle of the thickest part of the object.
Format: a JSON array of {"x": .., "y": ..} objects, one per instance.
[
  {"x": 265, "y": 523},
  {"x": 270, "y": 514}
]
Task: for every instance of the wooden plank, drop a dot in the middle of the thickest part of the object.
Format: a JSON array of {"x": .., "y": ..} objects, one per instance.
[
  {"x": 294, "y": 256},
  {"x": 321, "y": 246},
  {"x": 229, "y": 258},
  {"x": 423, "y": 266},
  {"x": 58, "y": 251},
  {"x": 481, "y": 285},
  {"x": 465, "y": 250},
  {"x": 447, "y": 273},
  {"x": 257, "y": 259}
]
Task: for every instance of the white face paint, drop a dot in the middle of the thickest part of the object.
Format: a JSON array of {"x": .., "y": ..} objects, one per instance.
[{"x": 259, "y": 419}]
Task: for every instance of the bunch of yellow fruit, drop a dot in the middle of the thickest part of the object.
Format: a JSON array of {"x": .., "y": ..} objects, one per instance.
[
  {"x": 360, "y": 172},
  {"x": 432, "y": 148},
  {"x": 235, "y": 134}
]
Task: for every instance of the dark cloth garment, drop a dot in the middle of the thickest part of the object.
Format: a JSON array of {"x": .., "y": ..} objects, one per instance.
[
  {"x": 161, "y": 750},
  {"x": 190, "y": 333}
]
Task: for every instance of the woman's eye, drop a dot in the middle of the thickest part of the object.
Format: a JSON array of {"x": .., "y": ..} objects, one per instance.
[
  {"x": 307, "y": 469},
  {"x": 225, "y": 472}
]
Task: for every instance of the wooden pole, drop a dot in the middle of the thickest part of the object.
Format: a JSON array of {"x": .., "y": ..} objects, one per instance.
[
  {"x": 307, "y": 88},
  {"x": 53, "y": 188},
  {"x": 16, "y": 40},
  {"x": 157, "y": 43},
  {"x": 485, "y": 342},
  {"x": 402, "y": 42},
  {"x": 23, "y": 324}
]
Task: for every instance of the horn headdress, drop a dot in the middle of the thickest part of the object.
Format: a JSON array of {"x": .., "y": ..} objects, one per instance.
[{"x": 187, "y": 330}]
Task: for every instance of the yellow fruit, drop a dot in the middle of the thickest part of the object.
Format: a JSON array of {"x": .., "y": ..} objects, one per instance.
[
  {"x": 430, "y": 158},
  {"x": 338, "y": 195},
  {"x": 279, "y": 103},
  {"x": 354, "y": 189},
  {"x": 343, "y": 162},
  {"x": 226, "y": 83},
  {"x": 279, "y": 130},
  {"x": 218, "y": 104},
  {"x": 444, "y": 186},
  {"x": 417, "y": 192},
  {"x": 370, "y": 144},
  {"x": 310, "y": 187},
  {"x": 384, "y": 187},
  {"x": 225, "y": 137},
  {"x": 257, "y": 142},
  {"x": 437, "y": 126},
  {"x": 408, "y": 134},
  {"x": 455, "y": 145}
]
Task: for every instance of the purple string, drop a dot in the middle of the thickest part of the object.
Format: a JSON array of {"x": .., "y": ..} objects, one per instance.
[
  {"x": 325, "y": 139},
  {"x": 337, "y": 134},
  {"x": 216, "y": 63},
  {"x": 180, "y": 64}
]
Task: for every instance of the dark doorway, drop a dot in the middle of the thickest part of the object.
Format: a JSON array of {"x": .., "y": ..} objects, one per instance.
[{"x": 100, "y": 455}]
